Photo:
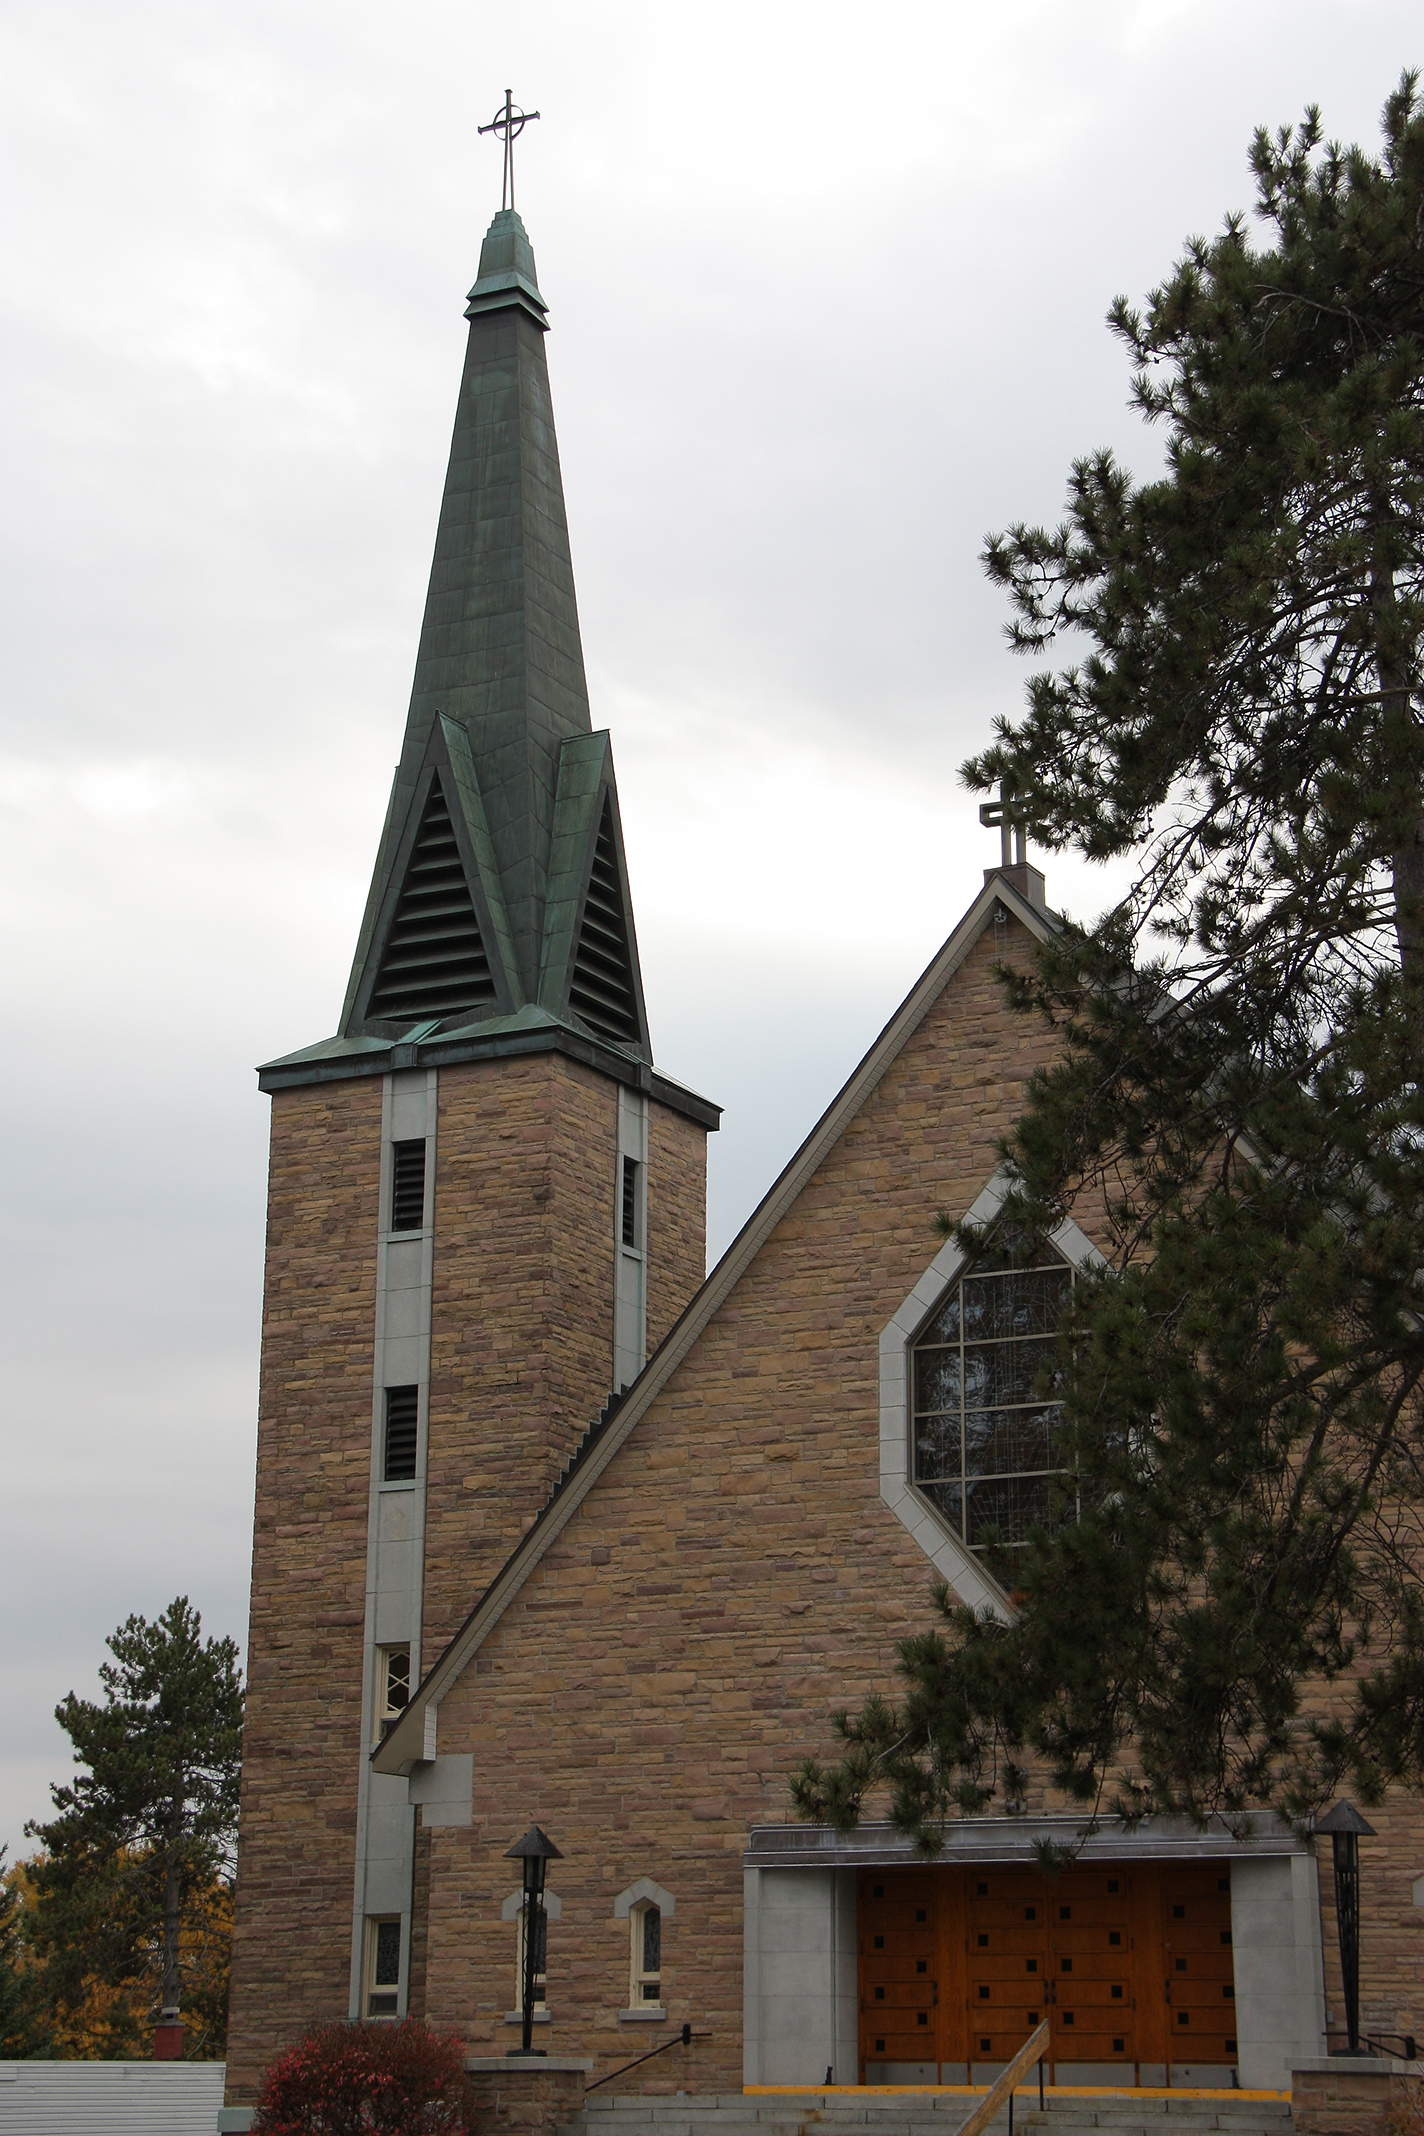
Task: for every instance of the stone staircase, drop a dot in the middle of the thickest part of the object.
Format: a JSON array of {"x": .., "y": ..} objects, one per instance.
[{"x": 1120, "y": 2113}]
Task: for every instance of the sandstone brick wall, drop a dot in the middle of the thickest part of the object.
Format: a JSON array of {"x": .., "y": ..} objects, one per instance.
[
  {"x": 734, "y": 1579},
  {"x": 521, "y": 1361},
  {"x": 521, "y": 1354},
  {"x": 1391, "y": 1925},
  {"x": 521, "y": 1349},
  {"x": 677, "y": 1216},
  {"x": 291, "y": 1938},
  {"x": 1356, "y": 2101}
]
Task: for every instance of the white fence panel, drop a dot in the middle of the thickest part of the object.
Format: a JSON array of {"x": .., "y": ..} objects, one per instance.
[{"x": 110, "y": 2098}]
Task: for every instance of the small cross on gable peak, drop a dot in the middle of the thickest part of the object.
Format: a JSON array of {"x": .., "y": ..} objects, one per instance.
[{"x": 1014, "y": 865}]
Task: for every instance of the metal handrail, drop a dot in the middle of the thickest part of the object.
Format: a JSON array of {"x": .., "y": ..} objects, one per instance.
[
  {"x": 679, "y": 2039},
  {"x": 1034, "y": 2048},
  {"x": 1404, "y": 2043}
]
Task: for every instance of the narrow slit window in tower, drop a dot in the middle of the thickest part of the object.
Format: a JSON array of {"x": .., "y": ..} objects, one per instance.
[
  {"x": 402, "y": 1414},
  {"x": 408, "y": 1185}
]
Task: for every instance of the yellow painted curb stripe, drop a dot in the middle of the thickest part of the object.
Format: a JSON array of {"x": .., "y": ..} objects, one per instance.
[{"x": 979, "y": 2091}]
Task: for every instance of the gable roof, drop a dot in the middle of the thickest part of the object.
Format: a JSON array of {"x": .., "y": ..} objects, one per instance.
[{"x": 413, "y": 1738}]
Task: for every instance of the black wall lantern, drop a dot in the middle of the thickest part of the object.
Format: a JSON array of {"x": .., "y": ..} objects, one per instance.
[
  {"x": 1345, "y": 1826},
  {"x": 533, "y": 1852}
]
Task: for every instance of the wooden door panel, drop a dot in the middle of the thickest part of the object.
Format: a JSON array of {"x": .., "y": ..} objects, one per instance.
[
  {"x": 1200, "y": 1982},
  {"x": 1006, "y": 1961},
  {"x": 1095, "y": 1971},
  {"x": 1131, "y": 1964},
  {"x": 897, "y": 1932}
]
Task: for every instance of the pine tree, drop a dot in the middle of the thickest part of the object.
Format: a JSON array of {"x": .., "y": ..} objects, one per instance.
[
  {"x": 1239, "y": 1098},
  {"x": 24, "y": 2032},
  {"x": 132, "y": 1889}
]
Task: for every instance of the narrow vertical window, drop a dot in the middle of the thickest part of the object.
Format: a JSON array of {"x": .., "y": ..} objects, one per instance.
[
  {"x": 392, "y": 1687},
  {"x": 383, "y": 1954},
  {"x": 402, "y": 1414},
  {"x": 987, "y": 1424},
  {"x": 646, "y": 1922},
  {"x": 408, "y": 1185},
  {"x": 630, "y": 1201}
]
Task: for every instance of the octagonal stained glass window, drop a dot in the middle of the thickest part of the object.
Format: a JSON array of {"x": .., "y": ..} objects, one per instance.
[{"x": 987, "y": 1429}]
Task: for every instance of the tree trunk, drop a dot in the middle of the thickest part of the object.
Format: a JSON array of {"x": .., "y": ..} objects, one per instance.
[{"x": 172, "y": 1909}]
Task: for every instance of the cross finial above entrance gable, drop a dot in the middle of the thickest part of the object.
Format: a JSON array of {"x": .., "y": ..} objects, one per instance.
[{"x": 1012, "y": 825}]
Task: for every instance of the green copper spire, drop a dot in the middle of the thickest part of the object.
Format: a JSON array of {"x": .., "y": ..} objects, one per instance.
[
  {"x": 499, "y": 920},
  {"x": 500, "y": 656}
]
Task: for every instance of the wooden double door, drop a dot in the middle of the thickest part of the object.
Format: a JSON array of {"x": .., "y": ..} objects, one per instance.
[{"x": 1131, "y": 1964}]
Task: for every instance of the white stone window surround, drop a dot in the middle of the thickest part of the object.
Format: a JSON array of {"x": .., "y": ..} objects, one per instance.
[
  {"x": 970, "y": 1580},
  {"x": 628, "y": 1906},
  {"x": 513, "y": 1910}
]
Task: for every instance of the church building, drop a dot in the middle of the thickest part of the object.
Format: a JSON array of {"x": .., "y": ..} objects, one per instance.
[{"x": 552, "y": 1526}]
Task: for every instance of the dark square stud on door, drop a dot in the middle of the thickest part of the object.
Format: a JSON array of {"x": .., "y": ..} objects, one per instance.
[
  {"x": 1231, "y": 2046},
  {"x": 1118, "y": 2046},
  {"x": 1067, "y": 2017},
  {"x": 1112, "y": 1883},
  {"x": 1226, "y": 1936},
  {"x": 1223, "y": 1883},
  {"x": 983, "y": 1943},
  {"x": 1229, "y": 1992},
  {"x": 1030, "y": 1913},
  {"x": 1031, "y": 1965},
  {"x": 920, "y": 1914},
  {"x": 1065, "y": 1965},
  {"x": 880, "y": 2046},
  {"x": 1115, "y": 1937},
  {"x": 1065, "y": 1913},
  {"x": 985, "y": 2045},
  {"x": 922, "y": 1965},
  {"x": 922, "y": 2017},
  {"x": 880, "y": 1943},
  {"x": 1184, "y": 2017},
  {"x": 1117, "y": 1994},
  {"x": 1179, "y": 1913},
  {"x": 878, "y": 1891},
  {"x": 880, "y": 1995},
  {"x": 1181, "y": 1965},
  {"x": 981, "y": 1891},
  {"x": 983, "y": 1995}
]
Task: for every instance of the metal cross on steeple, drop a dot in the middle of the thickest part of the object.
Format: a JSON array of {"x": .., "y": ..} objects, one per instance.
[
  {"x": 1013, "y": 830},
  {"x": 511, "y": 124}
]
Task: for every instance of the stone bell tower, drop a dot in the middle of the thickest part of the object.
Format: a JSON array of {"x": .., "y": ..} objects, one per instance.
[{"x": 486, "y": 1206}]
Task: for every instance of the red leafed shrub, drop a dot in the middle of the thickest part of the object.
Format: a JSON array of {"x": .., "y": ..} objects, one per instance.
[{"x": 366, "y": 2080}]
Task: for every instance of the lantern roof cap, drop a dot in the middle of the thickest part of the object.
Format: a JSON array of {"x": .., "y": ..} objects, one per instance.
[
  {"x": 536, "y": 1845},
  {"x": 1343, "y": 1817}
]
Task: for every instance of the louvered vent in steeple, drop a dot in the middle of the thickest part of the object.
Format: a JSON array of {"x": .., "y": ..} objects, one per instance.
[
  {"x": 602, "y": 990},
  {"x": 434, "y": 962}
]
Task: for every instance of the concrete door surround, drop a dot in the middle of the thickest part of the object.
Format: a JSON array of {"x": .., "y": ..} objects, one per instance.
[{"x": 800, "y": 1960}]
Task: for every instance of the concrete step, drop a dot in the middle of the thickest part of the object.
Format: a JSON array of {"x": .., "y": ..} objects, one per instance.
[{"x": 922, "y": 2114}]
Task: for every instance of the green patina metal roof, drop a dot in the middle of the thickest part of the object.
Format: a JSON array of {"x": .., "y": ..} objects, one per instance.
[{"x": 514, "y": 869}]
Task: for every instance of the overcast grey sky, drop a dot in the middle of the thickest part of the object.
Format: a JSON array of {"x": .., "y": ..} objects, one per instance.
[{"x": 827, "y": 286}]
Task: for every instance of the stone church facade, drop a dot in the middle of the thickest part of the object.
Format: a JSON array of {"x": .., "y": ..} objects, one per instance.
[{"x": 551, "y": 1528}]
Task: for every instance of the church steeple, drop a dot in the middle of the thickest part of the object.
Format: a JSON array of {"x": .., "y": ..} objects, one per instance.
[{"x": 500, "y": 879}]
